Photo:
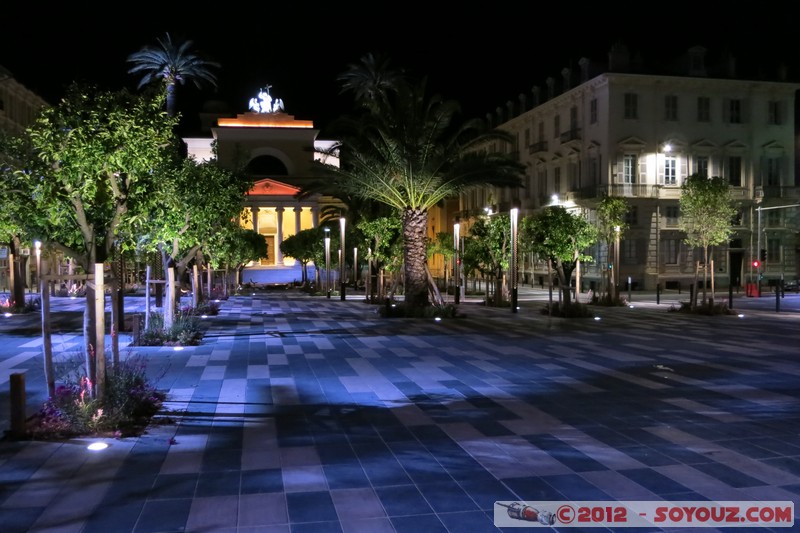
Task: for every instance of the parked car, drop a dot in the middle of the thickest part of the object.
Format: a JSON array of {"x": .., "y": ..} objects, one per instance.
[{"x": 793, "y": 285}]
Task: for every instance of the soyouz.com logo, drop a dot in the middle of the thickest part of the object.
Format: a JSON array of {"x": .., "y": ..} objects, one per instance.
[{"x": 644, "y": 514}]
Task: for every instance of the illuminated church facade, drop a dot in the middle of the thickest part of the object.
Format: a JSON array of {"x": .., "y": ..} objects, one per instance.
[{"x": 277, "y": 151}]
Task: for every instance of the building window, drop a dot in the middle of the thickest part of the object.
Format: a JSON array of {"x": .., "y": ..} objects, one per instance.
[
  {"x": 672, "y": 213},
  {"x": 735, "y": 111},
  {"x": 670, "y": 107},
  {"x": 671, "y": 248},
  {"x": 631, "y": 105},
  {"x": 628, "y": 247},
  {"x": 573, "y": 118},
  {"x": 557, "y": 126},
  {"x": 774, "y": 251},
  {"x": 703, "y": 109},
  {"x": 542, "y": 182},
  {"x": 629, "y": 165},
  {"x": 736, "y": 220},
  {"x": 773, "y": 171},
  {"x": 557, "y": 180},
  {"x": 774, "y": 218},
  {"x": 632, "y": 216},
  {"x": 541, "y": 132},
  {"x": 701, "y": 165},
  {"x": 774, "y": 113},
  {"x": 734, "y": 171},
  {"x": 593, "y": 111},
  {"x": 670, "y": 170},
  {"x": 594, "y": 170}
]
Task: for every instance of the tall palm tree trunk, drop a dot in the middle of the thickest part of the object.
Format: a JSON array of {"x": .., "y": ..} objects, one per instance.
[{"x": 415, "y": 223}]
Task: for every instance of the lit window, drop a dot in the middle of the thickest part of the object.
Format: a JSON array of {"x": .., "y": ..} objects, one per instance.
[{"x": 670, "y": 170}]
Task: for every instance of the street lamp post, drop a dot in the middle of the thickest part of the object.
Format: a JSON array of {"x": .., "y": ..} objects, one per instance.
[
  {"x": 616, "y": 262},
  {"x": 38, "y": 246},
  {"x": 758, "y": 242},
  {"x": 355, "y": 266},
  {"x": 513, "y": 267},
  {"x": 457, "y": 260},
  {"x": 341, "y": 265},
  {"x": 328, "y": 261}
]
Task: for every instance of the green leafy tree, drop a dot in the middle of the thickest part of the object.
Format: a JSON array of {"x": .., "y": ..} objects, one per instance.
[
  {"x": 442, "y": 244},
  {"x": 383, "y": 239},
  {"x": 489, "y": 250},
  {"x": 611, "y": 226},
  {"x": 20, "y": 222},
  {"x": 196, "y": 200},
  {"x": 706, "y": 213},
  {"x": 305, "y": 247},
  {"x": 233, "y": 246},
  {"x": 172, "y": 63},
  {"x": 409, "y": 151},
  {"x": 559, "y": 237},
  {"x": 93, "y": 175}
]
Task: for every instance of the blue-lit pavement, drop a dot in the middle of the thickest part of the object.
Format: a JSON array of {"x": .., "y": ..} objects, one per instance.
[{"x": 301, "y": 413}]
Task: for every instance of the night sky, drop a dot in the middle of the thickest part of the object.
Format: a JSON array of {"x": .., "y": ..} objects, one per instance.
[{"x": 481, "y": 57}]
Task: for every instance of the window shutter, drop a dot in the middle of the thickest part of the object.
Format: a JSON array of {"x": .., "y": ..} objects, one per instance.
[
  {"x": 642, "y": 171},
  {"x": 617, "y": 178},
  {"x": 683, "y": 171},
  {"x": 726, "y": 110}
]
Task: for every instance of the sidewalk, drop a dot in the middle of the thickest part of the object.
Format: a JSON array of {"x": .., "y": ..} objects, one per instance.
[{"x": 302, "y": 413}]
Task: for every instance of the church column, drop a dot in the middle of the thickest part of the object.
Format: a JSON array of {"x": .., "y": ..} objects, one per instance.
[
  {"x": 254, "y": 216},
  {"x": 279, "y": 237},
  {"x": 315, "y": 216},
  {"x": 297, "y": 211}
]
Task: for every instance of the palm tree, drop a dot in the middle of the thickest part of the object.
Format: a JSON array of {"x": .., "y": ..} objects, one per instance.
[
  {"x": 172, "y": 63},
  {"x": 408, "y": 151}
]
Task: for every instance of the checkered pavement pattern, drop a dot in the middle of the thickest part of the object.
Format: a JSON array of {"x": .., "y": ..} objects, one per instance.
[{"x": 300, "y": 414}]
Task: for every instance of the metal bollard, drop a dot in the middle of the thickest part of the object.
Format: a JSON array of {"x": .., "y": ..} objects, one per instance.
[{"x": 18, "y": 405}]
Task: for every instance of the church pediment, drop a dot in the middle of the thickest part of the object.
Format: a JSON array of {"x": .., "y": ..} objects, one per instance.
[{"x": 268, "y": 187}]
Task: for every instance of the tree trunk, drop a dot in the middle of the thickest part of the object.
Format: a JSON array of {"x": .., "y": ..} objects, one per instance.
[
  {"x": 415, "y": 223},
  {"x": 89, "y": 333},
  {"x": 437, "y": 296},
  {"x": 705, "y": 274}
]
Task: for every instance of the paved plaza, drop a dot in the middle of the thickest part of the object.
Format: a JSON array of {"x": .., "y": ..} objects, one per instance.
[{"x": 301, "y": 413}]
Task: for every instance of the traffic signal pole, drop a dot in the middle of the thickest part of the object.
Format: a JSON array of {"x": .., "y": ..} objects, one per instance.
[{"x": 759, "y": 260}]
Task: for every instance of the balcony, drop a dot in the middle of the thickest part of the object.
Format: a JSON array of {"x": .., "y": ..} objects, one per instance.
[
  {"x": 571, "y": 135},
  {"x": 778, "y": 191},
  {"x": 535, "y": 148},
  {"x": 633, "y": 190}
]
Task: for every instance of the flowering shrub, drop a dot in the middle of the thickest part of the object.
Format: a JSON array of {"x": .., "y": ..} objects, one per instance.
[
  {"x": 127, "y": 405},
  {"x": 7, "y": 305},
  {"x": 185, "y": 331},
  {"x": 204, "y": 308}
]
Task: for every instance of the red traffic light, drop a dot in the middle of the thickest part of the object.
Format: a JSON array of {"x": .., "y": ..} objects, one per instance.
[{"x": 756, "y": 263}]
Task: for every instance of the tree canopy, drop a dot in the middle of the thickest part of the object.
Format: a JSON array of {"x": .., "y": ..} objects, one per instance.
[
  {"x": 706, "y": 212},
  {"x": 410, "y": 150},
  {"x": 559, "y": 237}
]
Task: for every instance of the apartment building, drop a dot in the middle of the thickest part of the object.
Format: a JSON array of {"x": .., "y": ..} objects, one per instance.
[
  {"x": 639, "y": 134},
  {"x": 19, "y": 106}
]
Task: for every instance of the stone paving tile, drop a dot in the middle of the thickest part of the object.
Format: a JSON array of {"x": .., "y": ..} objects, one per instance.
[{"x": 300, "y": 413}]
